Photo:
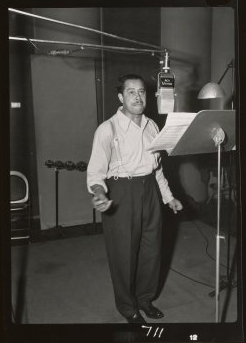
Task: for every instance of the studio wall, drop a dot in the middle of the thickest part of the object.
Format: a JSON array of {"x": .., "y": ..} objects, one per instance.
[
  {"x": 186, "y": 33},
  {"x": 24, "y": 129},
  {"x": 142, "y": 24},
  {"x": 22, "y": 133},
  {"x": 223, "y": 47},
  {"x": 198, "y": 52},
  {"x": 201, "y": 41}
]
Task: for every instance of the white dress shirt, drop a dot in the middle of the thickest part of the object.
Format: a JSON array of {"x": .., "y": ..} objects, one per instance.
[{"x": 119, "y": 150}]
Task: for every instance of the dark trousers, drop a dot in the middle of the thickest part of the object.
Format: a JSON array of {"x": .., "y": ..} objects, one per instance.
[{"x": 132, "y": 231}]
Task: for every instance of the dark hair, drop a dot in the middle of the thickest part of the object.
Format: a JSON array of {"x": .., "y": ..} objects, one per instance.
[{"x": 122, "y": 79}]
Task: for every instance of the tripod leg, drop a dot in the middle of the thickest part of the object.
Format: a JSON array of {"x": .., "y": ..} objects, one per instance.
[{"x": 230, "y": 286}]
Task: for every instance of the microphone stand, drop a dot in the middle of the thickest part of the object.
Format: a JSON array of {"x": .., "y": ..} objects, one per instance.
[
  {"x": 218, "y": 139},
  {"x": 57, "y": 226},
  {"x": 57, "y": 201},
  {"x": 227, "y": 281},
  {"x": 56, "y": 165}
]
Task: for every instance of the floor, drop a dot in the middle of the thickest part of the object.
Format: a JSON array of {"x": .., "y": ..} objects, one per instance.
[{"x": 68, "y": 281}]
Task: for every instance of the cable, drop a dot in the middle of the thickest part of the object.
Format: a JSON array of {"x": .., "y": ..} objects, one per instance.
[
  {"x": 189, "y": 278},
  {"x": 206, "y": 239},
  {"x": 35, "y": 46},
  {"x": 153, "y": 54},
  {"x": 118, "y": 51},
  {"x": 81, "y": 48},
  {"x": 53, "y": 52},
  {"x": 135, "y": 52}
]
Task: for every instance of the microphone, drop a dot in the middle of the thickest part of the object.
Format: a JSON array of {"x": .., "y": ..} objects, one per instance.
[
  {"x": 165, "y": 87},
  {"x": 59, "y": 52}
]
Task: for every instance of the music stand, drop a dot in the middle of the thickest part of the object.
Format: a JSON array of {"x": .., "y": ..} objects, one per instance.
[{"x": 206, "y": 134}]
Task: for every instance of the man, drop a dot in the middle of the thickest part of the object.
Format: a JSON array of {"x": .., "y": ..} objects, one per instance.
[{"x": 128, "y": 185}]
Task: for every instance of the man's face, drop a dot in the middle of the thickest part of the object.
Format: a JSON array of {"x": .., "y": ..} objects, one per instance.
[{"x": 133, "y": 97}]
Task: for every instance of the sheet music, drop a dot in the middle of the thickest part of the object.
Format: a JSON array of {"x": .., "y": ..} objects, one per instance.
[{"x": 176, "y": 124}]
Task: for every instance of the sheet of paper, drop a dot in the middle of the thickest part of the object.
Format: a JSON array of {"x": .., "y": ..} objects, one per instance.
[
  {"x": 180, "y": 118},
  {"x": 176, "y": 124}
]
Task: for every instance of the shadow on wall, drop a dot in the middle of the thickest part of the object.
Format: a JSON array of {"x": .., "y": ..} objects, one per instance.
[
  {"x": 171, "y": 166},
  {"x": 188, "y": 178},
  {"x": 191, "y": 103},
  {"x": 193, "y": 180},
  {"x": 151, "y": 107}
]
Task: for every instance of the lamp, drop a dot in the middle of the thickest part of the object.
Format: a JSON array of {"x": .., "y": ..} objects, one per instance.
[{"x": 212, "y": 90}]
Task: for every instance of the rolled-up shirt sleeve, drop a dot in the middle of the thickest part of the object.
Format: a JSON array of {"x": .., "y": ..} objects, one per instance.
[
  {"x": 160, "y": 178},
  {"x": 163, "y": 184},
  {"x": 100, "y": 156}
]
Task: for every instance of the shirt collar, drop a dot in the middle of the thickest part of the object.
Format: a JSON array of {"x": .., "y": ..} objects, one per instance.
[{"x": 125, "y": 122}]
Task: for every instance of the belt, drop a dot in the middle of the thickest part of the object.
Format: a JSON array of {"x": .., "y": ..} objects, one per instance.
[{"x": 132, "y": 177}]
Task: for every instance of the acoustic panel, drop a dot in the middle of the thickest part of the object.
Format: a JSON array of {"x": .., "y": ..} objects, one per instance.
[{"x": 65, "y": 115}]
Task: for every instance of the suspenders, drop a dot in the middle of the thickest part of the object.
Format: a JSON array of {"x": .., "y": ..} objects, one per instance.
[{"x": 117, "y": 149}]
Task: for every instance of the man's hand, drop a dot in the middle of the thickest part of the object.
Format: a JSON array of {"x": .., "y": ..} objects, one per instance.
[
  {"x": 175, "y": 205},
  {"x": 99, "y": 201}
]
